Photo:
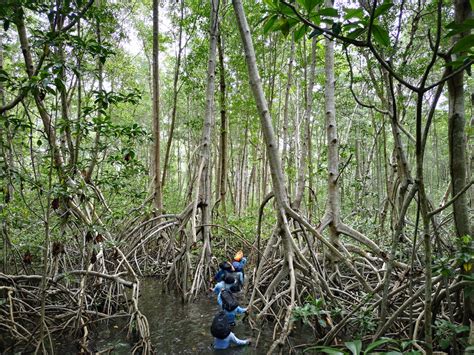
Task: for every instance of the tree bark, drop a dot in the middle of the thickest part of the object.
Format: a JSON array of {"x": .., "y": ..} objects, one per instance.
[
  {"x": 334, "y": 199},
  {"x": 205, "y": 186},
  {"x": 223, "y": 132},
  {"x": 457, "y": 149},
  {"x": 100, "y": 69},
  {"x": 158, "y": 198},
  {"x": 286, "y": 104},
  {"x": 305, "y": 157},
  {"x": 175, "y": 98}
]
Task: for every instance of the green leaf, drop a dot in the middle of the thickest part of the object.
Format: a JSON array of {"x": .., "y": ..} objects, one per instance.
[
  {"x": 3, "y": 75},
  {"x": 374, "y": 345},
  {"x": 457, "y": 28},
  {"x": 328, "y": 11},
  {"x": 300, "y": 32},
  {"x": 356, "y": 33},
  {"x": 270, "y": 4},
  {"x": 351, "y": 26},
  {"x": 282, "y": 25},
  {"x": 472, "y": 5},
  {"x": 464, "y": 44},
  {"x": 269, "y": 24},
  {"x": 382, "y": 9},
  {"x": 325, "y": 349},
  {"x": 59, "y": 84},
  {"x": 354, "y": 346},
  {"x": 461, "y": 329},
  {"x": 351, "y": 13},
  {"x": 286, "y": 10},
  {"x": 380, "y": 35},
  {"x": 309, "y": 5}
]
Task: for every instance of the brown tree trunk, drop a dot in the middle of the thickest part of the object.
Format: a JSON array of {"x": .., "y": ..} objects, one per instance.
[{"x": 203, "y": 270}]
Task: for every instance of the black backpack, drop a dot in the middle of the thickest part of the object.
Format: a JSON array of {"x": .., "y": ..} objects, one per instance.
[
  {"x": 220, "y": 327},
  {"x": 229, "y": 303}
]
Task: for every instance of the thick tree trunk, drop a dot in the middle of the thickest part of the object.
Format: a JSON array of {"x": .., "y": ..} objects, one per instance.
[
  {"x": 204, "y": 197},
  {"x": 457, "y": 150}
]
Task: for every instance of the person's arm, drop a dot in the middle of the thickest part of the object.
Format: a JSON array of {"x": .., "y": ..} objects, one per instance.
[
  {"x": 237, "y": 341},
  {"x": 241, "y": 310},
  {"x": 218, "y": 288},
  {"x": 243, "y": 261}
]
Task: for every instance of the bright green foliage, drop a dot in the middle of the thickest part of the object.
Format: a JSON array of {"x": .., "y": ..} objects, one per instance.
[
  {"x": 356, "y": 348},
  {"x": 447, "y": 332}
]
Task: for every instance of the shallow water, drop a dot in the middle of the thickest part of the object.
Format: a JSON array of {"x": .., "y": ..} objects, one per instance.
[
  {"x": 185, "y": 329},
  {"x": 177, "y": 328}
]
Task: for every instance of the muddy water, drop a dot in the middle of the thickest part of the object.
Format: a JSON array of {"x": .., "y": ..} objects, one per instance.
[
  {"x": 185, "y": 329},
  {"x": 181, "y": 329}
]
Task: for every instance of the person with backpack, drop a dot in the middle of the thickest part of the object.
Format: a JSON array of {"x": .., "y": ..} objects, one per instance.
[
  {"x": 225, "y": 268},
  {"x": 223, "y": 336},
  {"x": 228, "y": 283},
  {"x": 238, "y": 263},
  {"x": 230, "y": 306}
]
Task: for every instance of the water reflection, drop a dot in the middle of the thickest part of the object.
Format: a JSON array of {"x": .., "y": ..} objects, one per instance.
[
  {"x": 185, "y": 329},
  {"x": 175, "y": 328}
]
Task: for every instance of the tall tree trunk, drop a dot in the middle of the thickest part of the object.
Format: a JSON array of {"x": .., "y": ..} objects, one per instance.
[
  {"x": 223, "y": 133},
  {"x": 286, "y": 105},
  {"x": 6, "y": 155},
  {"x": 457, "y": 150},
  {"x": 305, "y": 157},
  {"x": 175, "y": 98},
  {"x": 100, "y": 69},
  {"x": 203, "y": 270},
  {"x": 334, "y": 199},
  {"x": 158, "y": 199}
]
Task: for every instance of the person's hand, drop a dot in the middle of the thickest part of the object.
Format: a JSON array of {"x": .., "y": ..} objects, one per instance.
[{"x": 249, "y": 341}]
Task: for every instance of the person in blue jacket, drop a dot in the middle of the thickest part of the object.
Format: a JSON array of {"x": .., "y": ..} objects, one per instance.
[
  {"x": 231, "y": 315},
  {"x": 239, "y": 263},
  {"x": 223, "y": 336},
  {"x": 228, "y": 283},
  {"x": 229, "y": 305},
  {"x": 224, "y": 269}
]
